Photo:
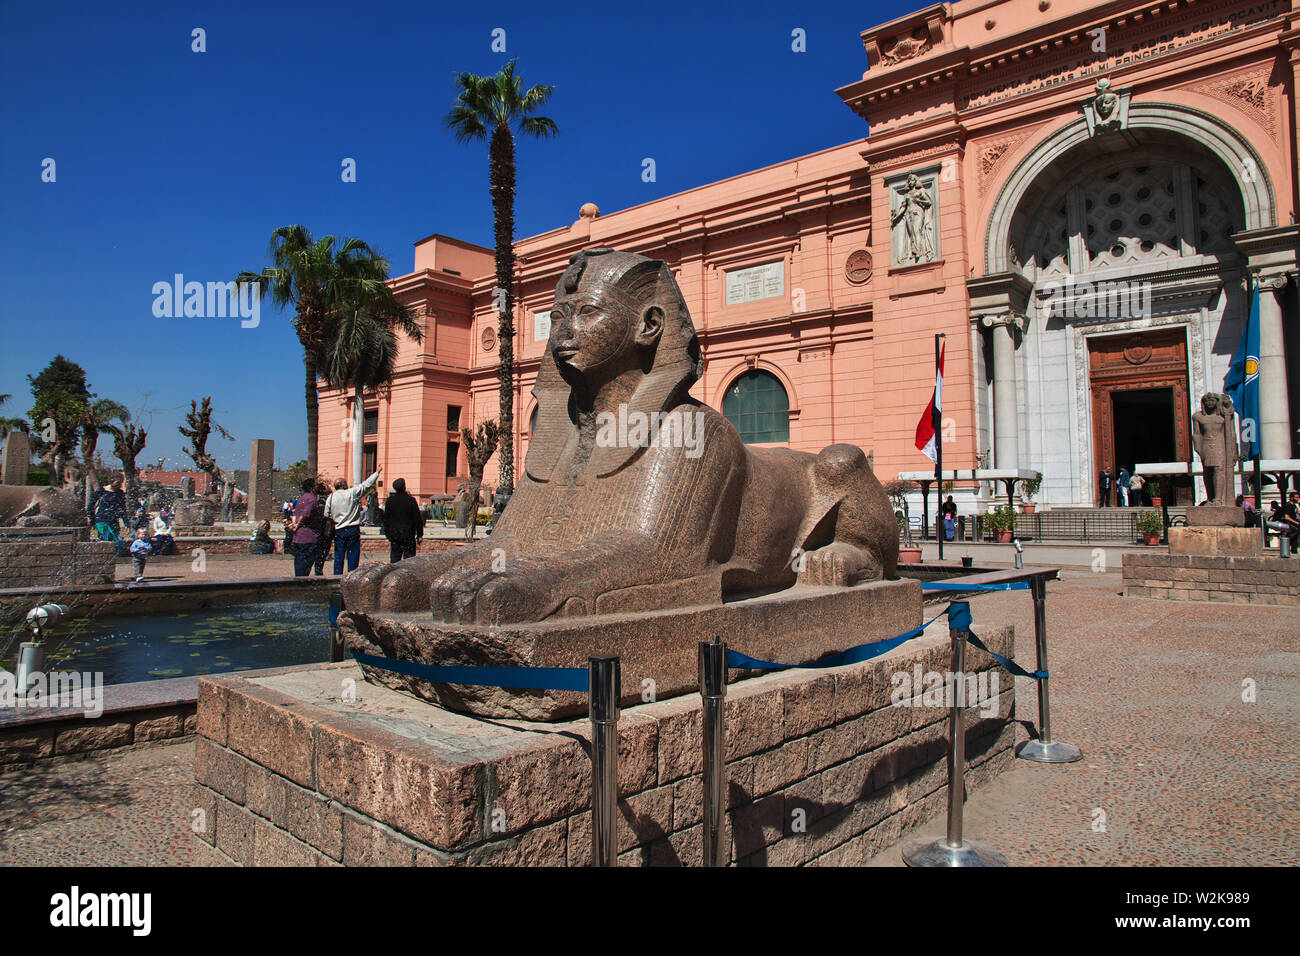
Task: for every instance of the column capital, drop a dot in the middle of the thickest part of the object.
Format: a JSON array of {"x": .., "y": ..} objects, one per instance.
[
  {"x": 1008, "y": 319},
  {"x": 1274, "y": 282}
]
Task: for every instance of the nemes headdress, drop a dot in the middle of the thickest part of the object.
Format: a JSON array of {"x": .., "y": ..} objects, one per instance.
[{"x": 634, "y": 283}]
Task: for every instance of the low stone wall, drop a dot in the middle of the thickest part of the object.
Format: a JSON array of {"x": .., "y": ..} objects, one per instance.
[
  {"x": 51, "y": 557},
  {"x": 132, "y": 714},
  {"x": 233, "y": 544},
  {"x": 313, "y": 766},
  {"x": 1227, "y": 579}
]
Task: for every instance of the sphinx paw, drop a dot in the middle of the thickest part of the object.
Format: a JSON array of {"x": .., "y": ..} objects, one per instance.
[{"x": 838, "y": 564}]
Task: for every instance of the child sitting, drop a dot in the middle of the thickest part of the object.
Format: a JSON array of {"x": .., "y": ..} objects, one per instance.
[{"x": 140, "y": 549}]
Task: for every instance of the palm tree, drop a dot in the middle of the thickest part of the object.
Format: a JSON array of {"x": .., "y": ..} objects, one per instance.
[
  {"x": 318, "y": 277},
  {"x": 97, "y": 420},
  {"x": 492, "y": 107},
  {"x": 360, "y": 351}
]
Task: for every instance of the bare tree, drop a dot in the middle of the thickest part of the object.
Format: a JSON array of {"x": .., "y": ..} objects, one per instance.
[
  {"x": 479, "y": 448},
  {"x": 128, "y": 441},
  {"x": 200, "y": 427}
]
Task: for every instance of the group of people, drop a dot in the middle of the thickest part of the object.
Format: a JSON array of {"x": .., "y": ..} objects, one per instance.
[
  {"x": 321, "y": 519},
  {"x": 151, "y": 533},
  {"x": 1127, "y": 488}
]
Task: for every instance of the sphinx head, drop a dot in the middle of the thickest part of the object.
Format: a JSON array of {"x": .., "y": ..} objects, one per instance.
[{"x": 610, "y": 313}]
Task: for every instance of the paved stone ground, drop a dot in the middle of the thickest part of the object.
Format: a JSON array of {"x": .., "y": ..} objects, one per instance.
[{"x": 1185, "y": 772}]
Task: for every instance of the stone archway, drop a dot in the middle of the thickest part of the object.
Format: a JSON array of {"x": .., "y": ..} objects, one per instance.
[
  {"x": 1101, "y": 233},
  {"x": 1147, "y": 122}
]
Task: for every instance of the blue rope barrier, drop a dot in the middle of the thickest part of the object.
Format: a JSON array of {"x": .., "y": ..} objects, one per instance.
[
  {"x": 1006, "y": 662},
  {"x": 854, "y": 655},
  {"x": 957, "y": 586},
  {"x": 527, "y": 678}
]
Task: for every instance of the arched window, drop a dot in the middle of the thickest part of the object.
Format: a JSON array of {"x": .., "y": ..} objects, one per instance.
[{"x": 756, "y": 403}]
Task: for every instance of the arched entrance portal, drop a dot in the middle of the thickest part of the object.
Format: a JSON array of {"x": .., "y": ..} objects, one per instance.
[{"x": 1122, "y": 295}]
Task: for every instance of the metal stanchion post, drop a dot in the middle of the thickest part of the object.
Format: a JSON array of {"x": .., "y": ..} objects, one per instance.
[
  {"x": 954, "y": 849},
  {"x": 337, "y": 650},
  {"x": 603, "y": 703},
  {"x": 1044, "y": 749},
  {"x": 713, "y": 691}
]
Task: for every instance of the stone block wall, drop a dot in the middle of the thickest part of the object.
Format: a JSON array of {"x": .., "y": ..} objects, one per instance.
[
  {"x": 23, "y": 743},
  {"x": 822, "y": 770},
  {"x": 38, "y": 559},
  {"x": 1224, "y": 579}
]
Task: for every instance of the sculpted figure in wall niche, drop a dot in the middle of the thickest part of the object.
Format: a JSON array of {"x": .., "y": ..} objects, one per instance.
[
  {"x": 914, "y": 213},
  {"x": 608, "y": 518}
]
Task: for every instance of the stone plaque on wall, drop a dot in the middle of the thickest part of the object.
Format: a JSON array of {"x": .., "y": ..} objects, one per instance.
[
  {"x": 914, "y": 218},
  {"x": 757, "y": 282},
  {"x": 541, "y": 326}
]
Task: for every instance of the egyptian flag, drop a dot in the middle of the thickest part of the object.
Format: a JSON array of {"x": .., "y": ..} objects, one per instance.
[{"x": 927, "y": 427}]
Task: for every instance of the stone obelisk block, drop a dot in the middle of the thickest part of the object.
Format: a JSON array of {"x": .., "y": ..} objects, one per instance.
[
  {"x": 17, "y": 458},
  {"x": 260, "y": 464}
]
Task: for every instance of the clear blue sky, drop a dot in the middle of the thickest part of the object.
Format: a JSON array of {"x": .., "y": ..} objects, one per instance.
[{"x": 170, "y": 161}]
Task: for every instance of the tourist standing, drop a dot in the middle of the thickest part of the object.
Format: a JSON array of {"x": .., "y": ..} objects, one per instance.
[
  {"x": 343, "y": 506},
  {"x": 1122, "y": 487},
  {"x": 307, "y": 526},
  {"x": 1103, "y": 487},
  {"x": 1135, "y": 483},
  {"x": 108, "y": 509},
  {"x": 403, "y": 523},
  {"x": 949, "y": 512},
  {"x": 1291, "y": 518}
]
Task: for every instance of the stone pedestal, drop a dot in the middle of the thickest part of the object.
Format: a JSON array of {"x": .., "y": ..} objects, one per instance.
[
  {"x": 261, "y": 462},
  {"x": 17, "y": 459},
  {"x": 314, "y": 766},
  {"x": 1196, "y": 572},
  {"x": 794, "y": 626},
  {"x": 1216, "y": 516}
]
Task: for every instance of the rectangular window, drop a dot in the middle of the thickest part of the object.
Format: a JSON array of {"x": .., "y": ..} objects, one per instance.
[
  {"x": 369, "y": 460},
  {"x": 755, "y": 283},
  {"x": 370, "y": 422},
  {"x": 453, "y": 418},
  {"x": 453, "y": 454}
]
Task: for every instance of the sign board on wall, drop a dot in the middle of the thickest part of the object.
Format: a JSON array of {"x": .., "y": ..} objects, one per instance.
[
  {"x": 757, "y": 282},
  {"x": 541, "y": 326}
]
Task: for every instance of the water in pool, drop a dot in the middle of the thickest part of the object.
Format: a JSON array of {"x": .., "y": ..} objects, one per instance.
[{"x": 185, "y": 644}]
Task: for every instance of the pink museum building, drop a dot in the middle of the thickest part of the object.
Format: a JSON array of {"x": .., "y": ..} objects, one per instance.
[{"x": 1076, "y": 194}]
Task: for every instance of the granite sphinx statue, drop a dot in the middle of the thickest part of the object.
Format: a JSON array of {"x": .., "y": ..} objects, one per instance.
[{"x": 636, "y": 497}]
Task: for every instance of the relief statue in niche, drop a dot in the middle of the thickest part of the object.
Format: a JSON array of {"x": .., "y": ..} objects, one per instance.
[{"x": 912, "y": 220}]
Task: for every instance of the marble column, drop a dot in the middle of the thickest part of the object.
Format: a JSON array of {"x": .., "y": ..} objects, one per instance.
[
  {"x": 1274, "y": 411},
  {"x": 1006, "y": 413}
]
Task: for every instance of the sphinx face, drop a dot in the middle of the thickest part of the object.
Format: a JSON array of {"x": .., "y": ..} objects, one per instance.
[{"x": 590, "y": 335}]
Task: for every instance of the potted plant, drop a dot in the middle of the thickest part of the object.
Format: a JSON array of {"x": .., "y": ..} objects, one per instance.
[
  {"x": 1028, "y": 489},
  {"x": 898, "y": 490},
  {"x": 1151, "y": 526},
  {"x": 1153, "y": 488},
  {"x": 1003, "y": 522}
]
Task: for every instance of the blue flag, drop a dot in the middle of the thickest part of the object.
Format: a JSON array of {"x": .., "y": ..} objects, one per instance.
[{"x": 1241, "y": 383}]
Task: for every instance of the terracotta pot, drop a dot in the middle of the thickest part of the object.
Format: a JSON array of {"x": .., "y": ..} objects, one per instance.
[
  {"x": 909, "y": 555},
  {"x": 1027, "y": 508},
  {"x": 1005, "y": 536},
  {"x": 1156, "y": 502},
  {"x": 1150, "y": 537}
]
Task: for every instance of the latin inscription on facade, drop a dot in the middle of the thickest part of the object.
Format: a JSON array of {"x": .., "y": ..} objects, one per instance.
[
  {"x": 1205, "y": 28},
  {"x": 757, "y": 282}
]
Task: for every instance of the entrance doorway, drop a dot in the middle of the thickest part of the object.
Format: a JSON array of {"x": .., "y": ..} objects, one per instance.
[{"x": 1140, "y": 402}]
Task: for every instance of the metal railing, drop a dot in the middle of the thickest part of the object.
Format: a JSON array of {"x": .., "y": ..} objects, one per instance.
[{"x": 1103, "y": 524}]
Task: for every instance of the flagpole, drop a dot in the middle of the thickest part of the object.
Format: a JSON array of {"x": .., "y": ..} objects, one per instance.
[{"x": 937, "y": 419}]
